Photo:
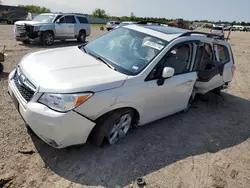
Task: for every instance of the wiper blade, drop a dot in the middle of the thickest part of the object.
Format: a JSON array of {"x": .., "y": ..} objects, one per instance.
[{"x": 105, "y": 62}]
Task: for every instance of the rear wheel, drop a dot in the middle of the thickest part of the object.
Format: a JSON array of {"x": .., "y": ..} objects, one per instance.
[
  {"x": 47, "y": 38},
  {"x": 218, "y": 90},
  {"x": 81, "y": 37},
  {"x": 115, "y": 127}
]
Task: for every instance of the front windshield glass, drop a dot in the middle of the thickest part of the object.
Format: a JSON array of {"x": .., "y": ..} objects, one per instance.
[
  {"x": 44, "y": 18},
  {"x": 128, "y": 51}
]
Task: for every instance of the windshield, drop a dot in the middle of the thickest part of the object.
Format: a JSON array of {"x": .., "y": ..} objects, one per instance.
[
  {"x": 44, "y": 18},
  {"x": 217, "y": 28},
  {"x": 128, "y": 51}
]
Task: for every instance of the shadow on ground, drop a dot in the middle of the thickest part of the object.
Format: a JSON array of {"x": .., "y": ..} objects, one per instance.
[
  {"x": 210, "y": 126},
  {"x": 4, "y": 75},
  {"x": 57, "y": 44}
]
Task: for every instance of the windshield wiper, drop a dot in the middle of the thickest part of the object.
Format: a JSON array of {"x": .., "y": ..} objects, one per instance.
[{"x": 103, "y": 60}]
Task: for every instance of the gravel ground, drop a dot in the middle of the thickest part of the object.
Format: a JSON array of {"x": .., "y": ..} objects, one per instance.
[{"x": 207, "y": 147}]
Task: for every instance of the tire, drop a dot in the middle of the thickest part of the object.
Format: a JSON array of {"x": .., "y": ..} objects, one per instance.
[
  {"x": 191, "y": 100},
  {"x": 108, "y": 29},
  {"x": 1, "y": 67},
  {"x": 47, "y": 38},
  {"x": 82, "y": 36},
  {"x": 107, "y": 129},
  {"x": 26, "y": 41},
  {"x": 217, "y": 90}
]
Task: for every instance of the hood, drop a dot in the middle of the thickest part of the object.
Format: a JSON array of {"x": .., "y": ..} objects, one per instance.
[
  {"x": 28, "y": 22},
  {"x": 67, "y": 70}
]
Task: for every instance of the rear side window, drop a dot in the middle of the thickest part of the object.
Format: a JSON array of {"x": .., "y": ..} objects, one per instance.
[
  {"x": 223, "y": 53},
  {"x": 117, "y": 22},
  {"x": 70, "y": 19},
  {"x": 82, "y": 20}
]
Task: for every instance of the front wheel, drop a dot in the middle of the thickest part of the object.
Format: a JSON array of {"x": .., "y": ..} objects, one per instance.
[
  {"x": 115, "y": 127},
  {"x": 1, "y": 67},
  {"x": 26, "y": 41},
  {"x": 47, "y": 38}
]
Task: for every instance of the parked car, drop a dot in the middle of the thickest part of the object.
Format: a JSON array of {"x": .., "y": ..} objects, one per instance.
[
  {"x": 112, "y": 24},
  {"x": 218, "y": 30},
  {"x": 11, "y": 14},
  {"x": 125, "y": 23},
  {"x": 130, "y": 76},
  {"x": 49, "y": 27}
]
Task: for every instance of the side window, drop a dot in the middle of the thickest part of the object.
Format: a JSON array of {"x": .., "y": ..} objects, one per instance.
[
  {"x": 180, "y": 59},
  {"x": 117, "y": 23},
  {"x": 82, "y": 20},
  {"x": 223, "y": 53},
  {"x": 59, "y": 16},
  {"x": 62, "y": 20},
  {"x": 70, "y": 19}
]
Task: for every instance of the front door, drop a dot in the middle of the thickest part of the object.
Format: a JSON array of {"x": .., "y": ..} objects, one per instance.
[
  {"x": 173, "y": 95},
  {"x": 65, "y": 27}
]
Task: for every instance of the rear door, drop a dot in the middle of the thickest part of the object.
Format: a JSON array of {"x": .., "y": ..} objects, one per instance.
[
  {"x": 216, "y": 70},
  {"x": 208, "y": 68},
  {"x": 225, "y": 57}
]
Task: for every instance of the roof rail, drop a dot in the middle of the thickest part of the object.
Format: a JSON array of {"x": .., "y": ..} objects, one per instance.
[
  {"x": 153, "y": 22},
  {"x": 210, "y": 35}
]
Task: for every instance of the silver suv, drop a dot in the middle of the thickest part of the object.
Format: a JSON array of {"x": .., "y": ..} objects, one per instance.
[{"x": 49, "y": 27}]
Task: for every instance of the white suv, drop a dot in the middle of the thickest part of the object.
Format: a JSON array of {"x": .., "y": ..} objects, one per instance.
[
  {"x": 218, "y": 30},
  {"x": 130, "y": 76},
  {"x": 112, "y": 24}
]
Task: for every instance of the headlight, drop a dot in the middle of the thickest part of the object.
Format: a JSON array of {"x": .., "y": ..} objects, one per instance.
[
  {"x": 64, "y": 102},
  {"x": 36, "y": 28}
]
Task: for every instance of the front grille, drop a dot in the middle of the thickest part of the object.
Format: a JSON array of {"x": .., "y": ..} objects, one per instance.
[
  {"x": 20, "y": 28},
  {"x": 26, "y": 92}
]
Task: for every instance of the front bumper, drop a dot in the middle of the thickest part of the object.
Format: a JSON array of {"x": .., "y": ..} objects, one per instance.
[
  {"x": 57, "y": 129},
  {"x": 27, "y": 36}
]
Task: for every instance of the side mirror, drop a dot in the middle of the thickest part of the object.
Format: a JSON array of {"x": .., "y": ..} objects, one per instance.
[
  {"x": 167, "y": 72},
  {"x": 58, "y": 21}
]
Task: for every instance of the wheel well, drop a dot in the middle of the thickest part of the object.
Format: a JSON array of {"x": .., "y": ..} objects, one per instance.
[
  {"x": 83, "y": 31},
  {"x": 49, "y": 31},
  {"x": 106, "y": 115}
]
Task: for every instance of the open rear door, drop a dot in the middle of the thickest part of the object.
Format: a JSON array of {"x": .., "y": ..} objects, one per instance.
[
  {"x": 216, "y": 66},
  {"x": 225, "y": 57},
  {"x": 209, "y": 69}
]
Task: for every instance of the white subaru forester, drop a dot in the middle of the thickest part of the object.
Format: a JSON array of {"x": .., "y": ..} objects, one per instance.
[{"x": 130, "y": 76}]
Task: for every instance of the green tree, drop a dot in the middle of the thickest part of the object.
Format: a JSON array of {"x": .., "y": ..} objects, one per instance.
[
  {"x": 132, "y": 16},
  {"x": 99, "y": 13},
  {"x": 36, "y": 9}
]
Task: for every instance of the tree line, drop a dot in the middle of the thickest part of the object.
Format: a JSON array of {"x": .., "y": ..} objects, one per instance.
[{"x": 100, "y": 13}]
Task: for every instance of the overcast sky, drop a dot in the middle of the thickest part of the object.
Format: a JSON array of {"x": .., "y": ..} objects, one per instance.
[{"x": 214, "y": 10}]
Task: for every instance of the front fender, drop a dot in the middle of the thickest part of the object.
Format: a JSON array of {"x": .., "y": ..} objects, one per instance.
[{"x": 47, "y": 27}]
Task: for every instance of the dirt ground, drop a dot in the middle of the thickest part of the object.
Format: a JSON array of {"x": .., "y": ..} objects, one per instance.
[{"x": 208, "y": 147}]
